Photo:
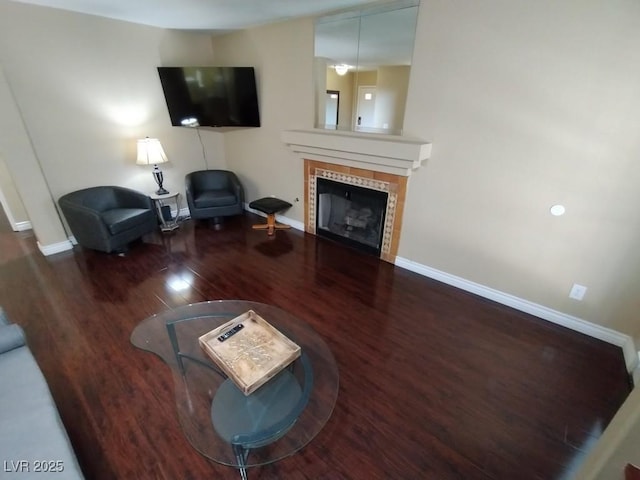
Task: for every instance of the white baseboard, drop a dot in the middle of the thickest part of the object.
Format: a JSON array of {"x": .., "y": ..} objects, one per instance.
[
  {"x": 280, "y": 218},
  {"x": 574, "y": 323},
  {"x": 54, "y": 248},
  {"x": 22, "y": 226}
]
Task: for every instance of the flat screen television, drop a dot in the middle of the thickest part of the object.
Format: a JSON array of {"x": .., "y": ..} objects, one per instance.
[{"x": 211, "y": 96}]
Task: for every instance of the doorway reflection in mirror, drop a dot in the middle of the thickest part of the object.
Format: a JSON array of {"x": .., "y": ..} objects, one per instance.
[
  {"x": 332, "y": 108},
  {"x": 377, "y": 43}
]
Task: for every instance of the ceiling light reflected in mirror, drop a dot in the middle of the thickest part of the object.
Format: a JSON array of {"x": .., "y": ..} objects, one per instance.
[{"x": 342, "y": 69}]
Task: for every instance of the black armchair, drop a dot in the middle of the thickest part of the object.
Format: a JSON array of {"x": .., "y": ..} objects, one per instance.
[
  {"x": 108, "y": 218},
  {"x": 214, "y": 193}
]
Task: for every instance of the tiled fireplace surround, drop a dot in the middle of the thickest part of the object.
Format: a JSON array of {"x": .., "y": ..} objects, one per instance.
[{"x": 379, "y": 162}]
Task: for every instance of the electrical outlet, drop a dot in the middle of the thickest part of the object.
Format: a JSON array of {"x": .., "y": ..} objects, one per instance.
[{"x": 577, "y": 292}]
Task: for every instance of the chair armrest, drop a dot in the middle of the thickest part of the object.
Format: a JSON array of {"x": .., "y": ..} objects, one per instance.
[
  {"x": 78, "y": 213},
  {"x": 189, "y": 191},
  {"x": 11, "y": 337},
  {"x": 188, "y": 181},
  {"x": 86, "y": 224},
  {"x": 237, "y": 187},
  {"x": 128, "y": 198}
]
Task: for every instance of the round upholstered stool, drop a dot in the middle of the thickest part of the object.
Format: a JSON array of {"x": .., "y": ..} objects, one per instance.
[{"x": 270, "y": 206}]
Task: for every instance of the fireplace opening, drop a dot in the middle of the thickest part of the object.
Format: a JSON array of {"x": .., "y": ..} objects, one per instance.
[{"x": 351, "y": 215}]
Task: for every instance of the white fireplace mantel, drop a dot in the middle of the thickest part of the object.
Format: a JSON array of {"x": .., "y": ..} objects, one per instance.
[{"x": 381, "y": 153}]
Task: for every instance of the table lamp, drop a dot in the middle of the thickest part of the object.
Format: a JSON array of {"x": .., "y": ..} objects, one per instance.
[{"x": 150, "y": 152}]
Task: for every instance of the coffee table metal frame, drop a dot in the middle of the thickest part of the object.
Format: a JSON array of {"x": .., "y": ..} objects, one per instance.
[{"x": 311, "y": 384}]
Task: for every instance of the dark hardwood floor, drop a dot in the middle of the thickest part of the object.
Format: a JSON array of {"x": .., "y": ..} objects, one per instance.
[{"x": 435, "y": 383}]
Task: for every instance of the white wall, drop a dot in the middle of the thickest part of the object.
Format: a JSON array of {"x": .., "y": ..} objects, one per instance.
[
  {"x": 529, "y": 104},
  {"x": 282, "y": 55},
  {"x": 10, "y": 198},
  {"x": 87, "y": 89},
  {"x": 24, "y": 171}
]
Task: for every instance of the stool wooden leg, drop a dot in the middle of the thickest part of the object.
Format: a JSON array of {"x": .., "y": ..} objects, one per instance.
[
  {"x": 271, "y": 226},
  {"x": 271, "y": 223}
]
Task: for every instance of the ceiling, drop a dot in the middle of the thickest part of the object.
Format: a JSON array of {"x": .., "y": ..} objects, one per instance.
[
  {"x": 207, "y": 15},
  {"x": 385, "y": 36}
]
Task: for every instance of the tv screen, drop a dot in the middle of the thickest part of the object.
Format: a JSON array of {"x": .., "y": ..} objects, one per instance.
[{"x": 211, "y": 96}]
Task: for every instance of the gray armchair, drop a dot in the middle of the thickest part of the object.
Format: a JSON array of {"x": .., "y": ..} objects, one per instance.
[
  {"x": 108, "y": 218},
  {"x": 214, "y": 194}
]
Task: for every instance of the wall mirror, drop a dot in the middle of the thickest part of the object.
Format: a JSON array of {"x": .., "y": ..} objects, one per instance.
[{"x": 365, "y": 56}]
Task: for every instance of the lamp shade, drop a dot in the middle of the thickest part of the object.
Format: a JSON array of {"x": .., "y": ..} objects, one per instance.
[{"x": 150, "y": 152}]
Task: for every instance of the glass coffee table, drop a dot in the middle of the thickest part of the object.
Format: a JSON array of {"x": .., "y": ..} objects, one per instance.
[{"x": 222, "y": 423}]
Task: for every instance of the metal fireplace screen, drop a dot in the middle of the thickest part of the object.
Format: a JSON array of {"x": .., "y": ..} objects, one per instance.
[{"x": 350, "y": 214}]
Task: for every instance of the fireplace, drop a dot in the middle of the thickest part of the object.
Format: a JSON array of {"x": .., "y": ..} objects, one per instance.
[
  {"x": 348, "y": 174},
  {"x": 357, "y": 184},
  {"x": 351, "y": 214}
]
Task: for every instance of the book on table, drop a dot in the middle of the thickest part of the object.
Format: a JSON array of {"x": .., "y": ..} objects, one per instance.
[{"x": 249, "y": 350}]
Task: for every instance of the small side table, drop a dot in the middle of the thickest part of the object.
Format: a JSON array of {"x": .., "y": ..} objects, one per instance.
[{"x": 168, "y": 221}]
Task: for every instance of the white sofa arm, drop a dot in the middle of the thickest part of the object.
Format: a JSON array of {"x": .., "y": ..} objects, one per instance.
[{"x": 11, "y": 337}]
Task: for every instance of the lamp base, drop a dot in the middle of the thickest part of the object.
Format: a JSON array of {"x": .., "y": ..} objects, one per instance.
[{"x": 159, "y": 178}]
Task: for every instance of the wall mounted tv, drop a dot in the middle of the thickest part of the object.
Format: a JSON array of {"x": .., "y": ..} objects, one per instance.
[{"x": 211, "y": 96}]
